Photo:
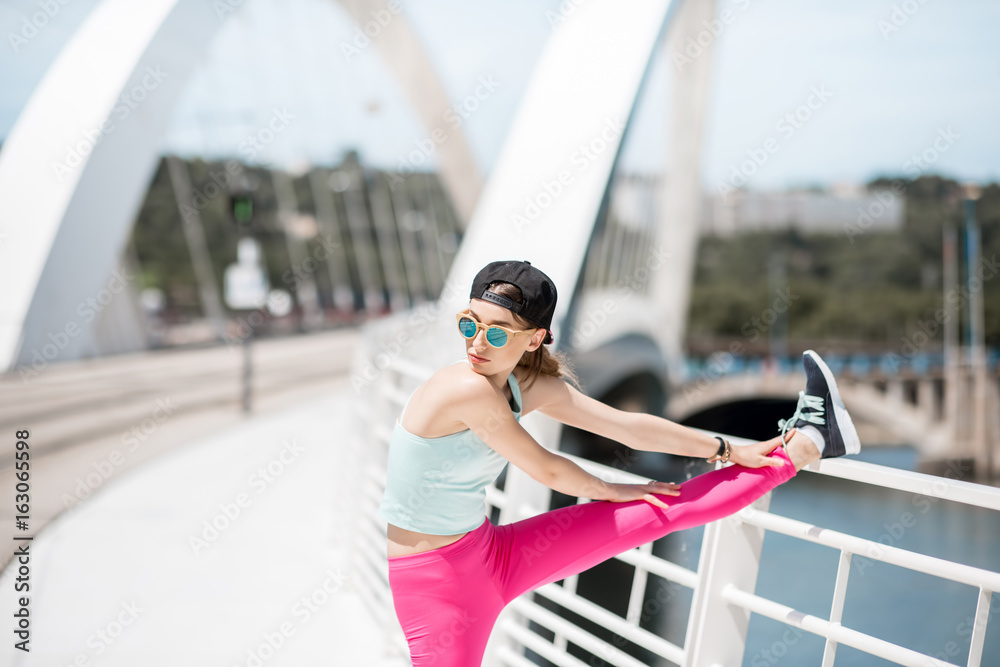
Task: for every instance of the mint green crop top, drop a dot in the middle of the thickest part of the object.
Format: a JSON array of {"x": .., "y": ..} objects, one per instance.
[{"x": 438, "y": 485}]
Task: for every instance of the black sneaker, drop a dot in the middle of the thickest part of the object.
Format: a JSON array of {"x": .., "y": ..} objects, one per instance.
[{"x": 820, "y": 406}]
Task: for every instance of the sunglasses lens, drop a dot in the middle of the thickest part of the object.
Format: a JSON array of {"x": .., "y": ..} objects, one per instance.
[
  {"x": 467, "y": 327},
  {"x": 496, "y": 337}
]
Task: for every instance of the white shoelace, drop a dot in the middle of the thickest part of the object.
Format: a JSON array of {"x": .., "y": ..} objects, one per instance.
[{"x": 806, "y": 401}]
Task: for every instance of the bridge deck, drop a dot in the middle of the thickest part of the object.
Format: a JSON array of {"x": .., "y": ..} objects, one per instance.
[{"x": 118, "y": 580}]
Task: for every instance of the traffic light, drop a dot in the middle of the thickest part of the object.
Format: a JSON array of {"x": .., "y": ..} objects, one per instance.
[{"x": 241, "y": 208}]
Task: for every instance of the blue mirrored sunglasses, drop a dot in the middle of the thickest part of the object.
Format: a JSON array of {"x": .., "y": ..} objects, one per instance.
[{"x": 496, "y": 335}]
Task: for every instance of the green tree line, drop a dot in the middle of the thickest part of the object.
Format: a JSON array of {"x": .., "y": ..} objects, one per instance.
[{"x": 871, "y": 288}]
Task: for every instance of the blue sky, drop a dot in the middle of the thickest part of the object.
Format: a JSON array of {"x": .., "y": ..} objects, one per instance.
[{"x": 889, "y": 93}]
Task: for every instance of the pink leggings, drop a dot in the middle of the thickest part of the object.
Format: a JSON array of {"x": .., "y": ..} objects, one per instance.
[{"x": 448, "y": 599}]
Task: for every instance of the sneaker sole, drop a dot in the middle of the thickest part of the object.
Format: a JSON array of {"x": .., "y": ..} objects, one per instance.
[{"x": 852, "y": 443}]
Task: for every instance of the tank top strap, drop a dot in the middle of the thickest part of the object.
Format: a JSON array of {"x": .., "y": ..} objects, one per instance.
[
  {"x": 405, "y": 404},
  {"x": 515, "y": 391}
]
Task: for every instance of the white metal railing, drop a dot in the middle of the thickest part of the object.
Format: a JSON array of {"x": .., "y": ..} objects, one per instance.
[
  {"x": 378, "y": 402},
  {"x": 986, "y": 581},
  {"x": 726, "y": 573}
]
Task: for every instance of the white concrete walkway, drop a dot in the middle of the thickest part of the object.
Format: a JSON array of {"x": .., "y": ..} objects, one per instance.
[{"x": 225, "y": 553}]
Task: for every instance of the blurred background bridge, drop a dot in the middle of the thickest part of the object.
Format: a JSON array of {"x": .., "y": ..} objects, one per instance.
[
  {"x": 922, "y": 404},
  {"x": 143, "y": 267}
]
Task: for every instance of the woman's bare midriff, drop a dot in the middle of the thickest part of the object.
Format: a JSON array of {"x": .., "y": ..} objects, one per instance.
[{"x": 402, "y": 542}]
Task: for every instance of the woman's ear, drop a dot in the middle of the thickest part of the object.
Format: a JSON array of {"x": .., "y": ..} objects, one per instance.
[{"x": 536, "y": 339}]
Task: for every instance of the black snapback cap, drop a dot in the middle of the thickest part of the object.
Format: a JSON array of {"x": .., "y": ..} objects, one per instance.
[{"x": 538, "y": 290}]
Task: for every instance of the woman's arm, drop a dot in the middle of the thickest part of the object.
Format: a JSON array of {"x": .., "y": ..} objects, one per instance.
[
  {"x": 656, "y": 434},
  {"x": 567, "y": 478},
  {"x": 484, "y": 410},
  {"x": 558, "y": 399}
]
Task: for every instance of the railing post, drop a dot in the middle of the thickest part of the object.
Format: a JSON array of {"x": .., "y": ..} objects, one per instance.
[
  {"x": 927, "y": 402},
  {"x": 837, "y": 609},
  {"x": 894, "y": 391},
  {"x": 730, "y": 554}
]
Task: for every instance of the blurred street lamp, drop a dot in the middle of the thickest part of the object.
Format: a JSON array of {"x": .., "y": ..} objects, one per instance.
[
  {"x": 246, "y": 287},
  {"x": 976, "y": 344}
]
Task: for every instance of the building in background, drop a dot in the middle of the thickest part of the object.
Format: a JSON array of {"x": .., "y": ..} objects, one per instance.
[{"x": 807, "y": 210}]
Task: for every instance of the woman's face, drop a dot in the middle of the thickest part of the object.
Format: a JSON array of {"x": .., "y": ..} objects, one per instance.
[{"x": 489, "y": 359}]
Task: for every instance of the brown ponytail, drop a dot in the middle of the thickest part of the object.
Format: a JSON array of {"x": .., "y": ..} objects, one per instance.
[{"x": 540, "y": 361}]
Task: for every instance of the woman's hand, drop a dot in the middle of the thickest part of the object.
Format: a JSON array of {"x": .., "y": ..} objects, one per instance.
[
  {"x": 623, "y": 493},
  {"x": 756, "y": 455}
]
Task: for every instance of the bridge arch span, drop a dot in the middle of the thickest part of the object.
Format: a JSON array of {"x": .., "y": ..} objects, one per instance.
[
  {"x": 83, "y": 150},
  {"x": 881, "y": 416}
]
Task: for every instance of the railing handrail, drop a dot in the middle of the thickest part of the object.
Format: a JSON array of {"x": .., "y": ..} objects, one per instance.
[
  {"x": 912, "y": 560},
  {"x": 945, "y": 488},
  {"x": 832, "y": 631}
]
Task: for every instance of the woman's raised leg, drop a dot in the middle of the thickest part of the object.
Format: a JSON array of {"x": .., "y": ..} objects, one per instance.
[{"x": 569, "y": 540}]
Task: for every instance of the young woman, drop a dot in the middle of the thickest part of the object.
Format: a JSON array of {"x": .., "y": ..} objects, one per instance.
[{"x": 451, "y": 570}]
